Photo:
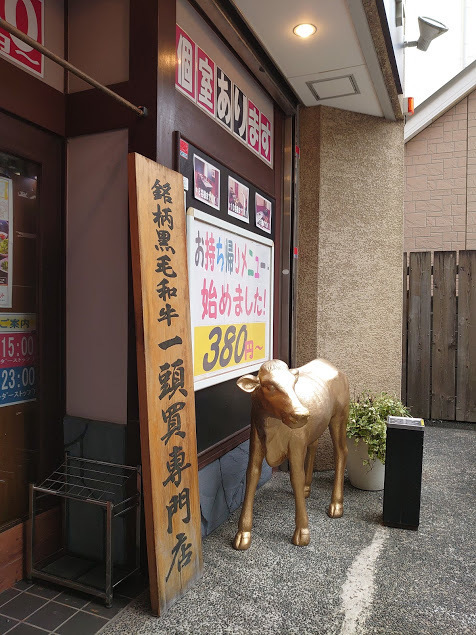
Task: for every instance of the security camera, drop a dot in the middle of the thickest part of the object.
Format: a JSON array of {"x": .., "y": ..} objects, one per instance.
[{"x": 429, "y": 30}]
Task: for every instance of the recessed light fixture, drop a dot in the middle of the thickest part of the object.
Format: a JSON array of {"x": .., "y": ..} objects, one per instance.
[{"x": 304, "y": 30}]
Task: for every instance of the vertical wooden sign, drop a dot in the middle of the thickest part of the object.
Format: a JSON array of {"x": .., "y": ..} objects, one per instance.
[{"x": 165, "y": 370}]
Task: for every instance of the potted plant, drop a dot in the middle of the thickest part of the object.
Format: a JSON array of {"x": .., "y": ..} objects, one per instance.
[{"x": 366, "y": 437}]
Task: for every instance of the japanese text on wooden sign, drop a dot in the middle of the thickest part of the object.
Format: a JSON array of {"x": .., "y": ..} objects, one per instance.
[
  {"x": 201, "y": 80},
  {"x": 231, "y": 287},
  {"x": 167, "y": 409},
  {"x": 29, "y": 17},
  {"x": 17, "y": 358}
]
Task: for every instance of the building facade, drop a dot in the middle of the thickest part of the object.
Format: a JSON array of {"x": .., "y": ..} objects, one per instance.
[
  {"x": 440, "y": 190},
  {"x": 324, "y": 172}
]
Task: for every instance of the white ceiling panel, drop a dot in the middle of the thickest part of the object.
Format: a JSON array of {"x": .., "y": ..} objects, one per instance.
[
  {"x": 365, "y": 101},
  {"x": 332, "y": 87},
  {"x": 333, "y": 52},
  {"x": 334, "y": 46}
]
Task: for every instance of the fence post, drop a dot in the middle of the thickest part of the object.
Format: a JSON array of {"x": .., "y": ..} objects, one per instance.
[
  {"x": 404, "y": 329},
  {"x": 443, "y": 371},
  {"x": 419, "y": 324},
  {"x": 466, "y": 373}
]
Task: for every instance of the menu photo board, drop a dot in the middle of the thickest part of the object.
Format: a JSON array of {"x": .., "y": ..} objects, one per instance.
[{"x": 231, "y": 298}]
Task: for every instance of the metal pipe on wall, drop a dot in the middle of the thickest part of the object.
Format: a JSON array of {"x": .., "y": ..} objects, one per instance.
[{"x": 141, "y": 111}]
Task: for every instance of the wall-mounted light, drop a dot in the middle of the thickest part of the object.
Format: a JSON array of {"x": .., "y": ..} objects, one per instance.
[
  {"x": 429, "y": 30},
  {"x": 399, "y": 12},
  {"x": 304, "y": 30}
]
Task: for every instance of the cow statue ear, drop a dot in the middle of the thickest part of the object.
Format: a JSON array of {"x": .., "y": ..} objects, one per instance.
[
  {"x": 295, "y": 372},
  {"x": 248, "y": 383}
]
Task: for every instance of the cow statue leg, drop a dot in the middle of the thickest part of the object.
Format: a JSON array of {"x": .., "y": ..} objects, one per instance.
[
  {"x": 301, "y": 535},
  {"x": 309, "y": 467},
  {"x": 337, "y": 428},
  {"x": 242, "y": 539}
]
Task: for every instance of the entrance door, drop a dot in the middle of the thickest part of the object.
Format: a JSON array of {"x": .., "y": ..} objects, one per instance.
[{"x": 31, "y": 312}]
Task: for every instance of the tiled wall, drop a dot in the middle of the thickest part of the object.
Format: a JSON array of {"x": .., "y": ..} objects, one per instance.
[{"x": 440, "y": 169}]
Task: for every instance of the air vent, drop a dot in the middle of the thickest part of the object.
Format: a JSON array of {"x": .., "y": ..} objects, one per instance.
[{"x": 333, "y": 87}]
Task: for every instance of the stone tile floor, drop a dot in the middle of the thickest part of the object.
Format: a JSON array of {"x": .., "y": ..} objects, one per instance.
[
  {"x": 357, "y": 577},
  {"x": 39, "y": 608}
]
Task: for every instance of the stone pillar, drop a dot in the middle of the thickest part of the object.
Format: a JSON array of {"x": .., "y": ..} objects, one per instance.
[{"x": 349, "y": 298}]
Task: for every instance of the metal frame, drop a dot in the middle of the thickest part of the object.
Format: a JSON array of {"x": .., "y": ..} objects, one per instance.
[
  {"x": 98, "y": 483},
  {"x": 295, "y": 236},
  {"x": 287, "y": 234}
]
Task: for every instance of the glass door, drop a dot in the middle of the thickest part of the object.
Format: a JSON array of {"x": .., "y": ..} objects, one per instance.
[
  {"x": 18, "y": 333},
  {"x": 31, "y": 314}
]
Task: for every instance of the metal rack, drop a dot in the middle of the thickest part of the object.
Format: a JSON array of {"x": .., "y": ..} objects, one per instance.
[{"x": 115, "y": 488}]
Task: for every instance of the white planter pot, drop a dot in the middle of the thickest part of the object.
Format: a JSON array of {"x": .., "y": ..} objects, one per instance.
[{"x": 369, "y": 477}]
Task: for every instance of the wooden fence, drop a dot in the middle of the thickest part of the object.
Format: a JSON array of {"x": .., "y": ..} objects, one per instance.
[{"x": 439, "y": 335}]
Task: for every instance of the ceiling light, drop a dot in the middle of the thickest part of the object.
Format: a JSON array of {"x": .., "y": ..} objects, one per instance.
[{"x": 304, "y": 30}]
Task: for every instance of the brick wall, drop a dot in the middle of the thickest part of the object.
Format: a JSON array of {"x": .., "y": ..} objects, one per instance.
[
  {"x": 471, "y": 173},
  {"x": 440, "y": 170}
]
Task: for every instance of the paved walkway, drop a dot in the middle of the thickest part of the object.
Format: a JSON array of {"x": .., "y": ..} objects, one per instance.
[{"x": 356, "y": 576}]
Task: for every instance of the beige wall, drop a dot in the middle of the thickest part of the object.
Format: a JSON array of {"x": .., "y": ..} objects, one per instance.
[
  {"x": 96, "y": 277},
  {"x": 440, "y": 193},
  {"x": 349, "y": 301}
]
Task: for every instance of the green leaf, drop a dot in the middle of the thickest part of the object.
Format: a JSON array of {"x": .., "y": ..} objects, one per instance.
[{"x": 368, "y": 415}]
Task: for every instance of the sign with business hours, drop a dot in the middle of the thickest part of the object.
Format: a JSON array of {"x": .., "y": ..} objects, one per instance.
[
  {"x": 231, "y": 298},
  {"x": 18, "y": 345},
  {"x": 29, "y": 17}
]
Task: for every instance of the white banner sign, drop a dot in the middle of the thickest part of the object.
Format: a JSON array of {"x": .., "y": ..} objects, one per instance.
[{"x": 231, "y": 298}]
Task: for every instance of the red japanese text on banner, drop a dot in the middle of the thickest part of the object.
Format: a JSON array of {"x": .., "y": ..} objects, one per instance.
[
  {"x": 210, "y": 84},
  {"x": 206, "y": 81},
  {"x": 185, "y": 79},
  {"x": 254, "y": 126}
]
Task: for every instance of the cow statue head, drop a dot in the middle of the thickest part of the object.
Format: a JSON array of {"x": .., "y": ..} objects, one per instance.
[{"x": 274, "y": 390}]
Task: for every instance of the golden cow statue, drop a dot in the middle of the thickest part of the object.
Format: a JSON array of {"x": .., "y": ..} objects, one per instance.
[{"x": 291, "y": 408}]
